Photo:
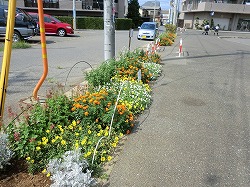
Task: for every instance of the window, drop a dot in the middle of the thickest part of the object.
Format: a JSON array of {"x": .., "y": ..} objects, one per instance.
[{"x": 46, "y": 3}]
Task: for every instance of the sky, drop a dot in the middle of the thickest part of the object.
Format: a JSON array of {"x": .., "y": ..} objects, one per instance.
[{"x": 164, "y": 3}]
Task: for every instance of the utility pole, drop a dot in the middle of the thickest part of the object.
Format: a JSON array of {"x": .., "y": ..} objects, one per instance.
[
  {"x": 74, "y": 14},
  {"x": 109, "y": 29},
  {"x": 154, "y": 12}
]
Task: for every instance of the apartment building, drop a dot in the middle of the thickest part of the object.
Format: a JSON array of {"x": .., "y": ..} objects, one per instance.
[
  {"x": 65, "y": 7},
  {"x": 229, "y": 14}
]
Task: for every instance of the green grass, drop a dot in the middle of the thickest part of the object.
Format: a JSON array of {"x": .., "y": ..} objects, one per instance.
[{"x": 18, "y": 45}]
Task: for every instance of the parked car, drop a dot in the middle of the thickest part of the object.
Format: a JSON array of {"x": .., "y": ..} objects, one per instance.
[
  {"x": 53, "y": 25},
  {"x": 25, "y": 27},
  {"x": 148, "y": 30}
]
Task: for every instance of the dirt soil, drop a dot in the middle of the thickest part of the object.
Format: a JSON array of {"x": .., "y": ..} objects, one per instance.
[{"x": 16, "y": 175}]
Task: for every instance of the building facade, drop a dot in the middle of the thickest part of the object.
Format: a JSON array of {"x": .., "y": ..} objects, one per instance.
[
  {"x": 151, "y": 10},
  {"x": 65, "y": 7},
  {"x": 229, "y": 14}
]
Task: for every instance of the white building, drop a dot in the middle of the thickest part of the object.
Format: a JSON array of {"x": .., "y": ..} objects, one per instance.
[{"x": 229, "y": 14}]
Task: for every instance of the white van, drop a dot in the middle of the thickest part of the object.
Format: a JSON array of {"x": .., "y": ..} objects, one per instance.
[{"x": 148, "y": 31}]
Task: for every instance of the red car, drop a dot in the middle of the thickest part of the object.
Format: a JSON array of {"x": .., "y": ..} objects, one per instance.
[{"x": 53, "y": 25}]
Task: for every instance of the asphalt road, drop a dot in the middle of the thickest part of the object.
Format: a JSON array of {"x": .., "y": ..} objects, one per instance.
[{"x": 197, "y": 131}]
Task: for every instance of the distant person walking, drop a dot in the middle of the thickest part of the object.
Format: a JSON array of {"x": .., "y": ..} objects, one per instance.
[
  {"x": 216, "y": 30},
  {"x": 206, "y": 29}
]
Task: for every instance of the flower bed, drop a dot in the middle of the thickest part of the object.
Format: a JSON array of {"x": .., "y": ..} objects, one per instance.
[{"x": 83, "y": 131}]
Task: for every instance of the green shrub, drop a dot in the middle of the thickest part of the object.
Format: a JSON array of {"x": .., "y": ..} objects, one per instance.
[
  {"x": 123, "y": 24},
  {"x": 170, "y": 28},
  {"x": 167, "y": 39},
  {"x": 65, "y": 19},
  {"x": 96, "y": 22},
  {"x": 89, "y": 23}
]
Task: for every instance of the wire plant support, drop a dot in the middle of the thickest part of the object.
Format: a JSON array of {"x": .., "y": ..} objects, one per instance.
[{"x": 111, "y": 123}]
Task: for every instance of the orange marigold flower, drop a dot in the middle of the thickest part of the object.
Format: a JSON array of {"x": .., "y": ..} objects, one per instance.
[
  {"x": 86, "y": 113},
  {"x": 85, "y": 107},
  {"x": 96, "y": 102}
]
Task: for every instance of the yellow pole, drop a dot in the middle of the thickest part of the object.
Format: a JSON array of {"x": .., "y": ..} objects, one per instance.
[
  {"x": 44, "y": 50},
  {"x": 7, "y": 54}
]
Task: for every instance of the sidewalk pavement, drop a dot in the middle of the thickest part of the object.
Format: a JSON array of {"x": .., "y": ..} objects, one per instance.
[
  {"x": 144, "y": 144},
  {"x": 184, "y": 139}
]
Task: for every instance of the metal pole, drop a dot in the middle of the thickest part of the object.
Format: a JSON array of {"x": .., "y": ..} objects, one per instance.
[
  {"x": 74, "y": 14},
  {"x": 109, "y": 30},
  {"x": 7, "y": 55},
  {"x": 175, "y": 12},
  {"x": 44, "y": 50},
  {"x": 154, "y": 12}
]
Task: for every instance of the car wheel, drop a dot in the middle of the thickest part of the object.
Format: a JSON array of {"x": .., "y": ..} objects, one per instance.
[
  {"x": 16, "y": 37},
  {"x": 61, "y": 32}
]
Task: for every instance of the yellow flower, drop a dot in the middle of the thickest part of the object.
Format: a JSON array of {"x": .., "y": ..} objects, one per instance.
[
  {"x": 44, "y": 171},
  {"x": 63, "y": 142},
  {"x": 89, "y": 131},
  {"x": 88, "y": 153},
  {"x": 28, "y": 158},
  {"x": 80, "y": 128},
  {"x": 76, "y": 145},
  {"x": 103, "y": 159},
  {"x": 44, "y": 138},
  {"x": 116, "y": 139},
  {"x": 32, "y": 161},
  {"x": 98, "y": 134},
  {"x": 121, "y": 135},
  {"x": 83, "y": 141},
  {"x": 38, "y": 148},
  {"x": 39, "y": 143},
  {"x": 109, "y": 158},
  {"x": 77, "y": 134},
  {"x": 48, "y": 175},
  {"x": 106, "y": 133},
  {"x": 48, "y": 131},
  {"x": 99, "y": 126},
  {"x": 53, "y": 140},
  {"x": 74, "y": 123},
  {"x": 71, "y": 127},
  {"x": 57, "y": 137},
  {"x": 114, "y": 144}
]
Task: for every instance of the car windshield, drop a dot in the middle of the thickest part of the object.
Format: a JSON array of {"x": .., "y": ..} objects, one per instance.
[{"x": 148, "y": 26}]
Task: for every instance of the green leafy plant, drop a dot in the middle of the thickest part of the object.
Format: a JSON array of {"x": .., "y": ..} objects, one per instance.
[
  {"x": 165, "y": 39},
  {"x": 170, "y": 28}
]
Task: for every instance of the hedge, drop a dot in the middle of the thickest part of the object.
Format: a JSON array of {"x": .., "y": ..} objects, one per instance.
[{"x": 96, "y": 22}]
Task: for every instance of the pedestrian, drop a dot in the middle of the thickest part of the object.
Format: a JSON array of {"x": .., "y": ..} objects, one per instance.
[
  {"x": 216, "y": 30},
  {"x": 206, "y": 29}
]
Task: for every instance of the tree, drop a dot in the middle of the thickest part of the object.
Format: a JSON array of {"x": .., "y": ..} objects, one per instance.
[{"x": 133, "y": 12}]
